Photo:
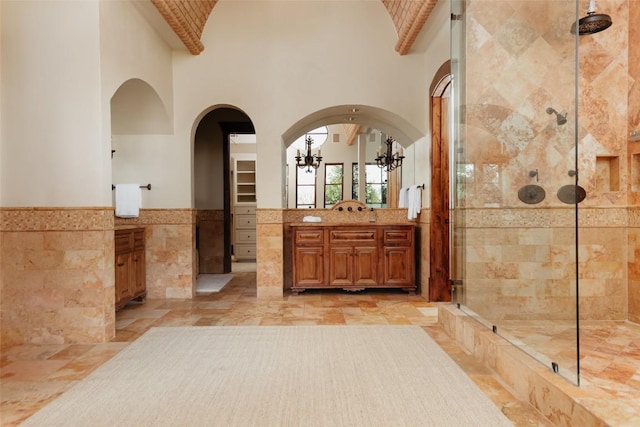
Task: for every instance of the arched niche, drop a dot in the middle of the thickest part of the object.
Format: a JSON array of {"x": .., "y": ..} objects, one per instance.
[{"x": 136, "y": 109}]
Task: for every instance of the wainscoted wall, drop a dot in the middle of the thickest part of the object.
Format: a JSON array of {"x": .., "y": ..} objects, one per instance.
[
  {"x": 270, "y": 253},
  {"x": 170, "y": 250},
  {"x": 520, "y": 259},
  {"x": 634, "y": 264},
  {"x": 521, "y": 263},
  {"x": 210, "y": 238},
  {"x": 423, "y": 248},
  {"x": 56, "y": 275}
]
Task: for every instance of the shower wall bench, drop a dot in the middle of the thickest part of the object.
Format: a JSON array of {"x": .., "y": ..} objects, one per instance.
[{"x": 353, "y": 257}]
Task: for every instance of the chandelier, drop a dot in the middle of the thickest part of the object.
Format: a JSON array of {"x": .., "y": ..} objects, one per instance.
[
  {"x": 308, "y": 160},
  {"x": 388, "y": 159}
]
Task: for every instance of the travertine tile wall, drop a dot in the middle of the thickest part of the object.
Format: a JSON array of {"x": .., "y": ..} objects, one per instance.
[
  {"x": 210, "y": 235},
  {"x": 270, "y": 253},
  {"x": 634, "y": 149},
  {"x": 634, "y": 265},
  {"x": 170, "y": 250},
  {"x": 423, "y": 248},
  {"x": 522, "y": 265},
  {"x": 57, "y": 275},
  {"x": 520, "y": 257}
]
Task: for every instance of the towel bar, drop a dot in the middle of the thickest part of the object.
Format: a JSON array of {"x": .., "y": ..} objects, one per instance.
[{"x": 148, "y": 186}]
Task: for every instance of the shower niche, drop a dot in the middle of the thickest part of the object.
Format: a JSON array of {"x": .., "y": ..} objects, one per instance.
[
  {"x": 607, "y": 173},
  {"x": 635, "y": 172}
]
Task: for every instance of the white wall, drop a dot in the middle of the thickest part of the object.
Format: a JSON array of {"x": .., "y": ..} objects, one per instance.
[
  {"x": 50, "y": 96},
  {"x": 435, "y": 40},
  {"x": 132, "y": 49},
  {"x": 289, "y": 59},
  {"x": 286, "y": 61}
]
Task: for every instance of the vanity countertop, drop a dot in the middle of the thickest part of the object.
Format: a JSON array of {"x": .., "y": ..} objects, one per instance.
[{"x": 350, "y": 224}]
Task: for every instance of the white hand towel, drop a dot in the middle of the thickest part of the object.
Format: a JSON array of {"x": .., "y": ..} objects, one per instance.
[
  {"x": 128, "y": 200},
  {"x": 415, "y": 201},
  {"x": 403, "y": 201}
]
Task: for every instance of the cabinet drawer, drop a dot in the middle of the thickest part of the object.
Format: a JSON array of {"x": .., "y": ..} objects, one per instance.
[
  {"x": 245, "y": 251},
  {"x": 123, "y": 242},
  {"x": 245, "y": 236},
  {"x": 245, "y": 221},
  {"x": 353, "y": 236},
  {"x": 244, "y": 210},
  {"x": 313, "y": 236},
  {"x": 138, "y": 239},
  {"x": 400, "y": 236}
]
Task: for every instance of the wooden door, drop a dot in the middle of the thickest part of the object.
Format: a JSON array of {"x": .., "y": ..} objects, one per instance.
[
  {"x": 398, "y": 264},
  {"x": 309, "y": 266},
  {"x": 138, "y": 269},
  {"x": 123, "y": 277},
  {"x": 439, "y": 284}
]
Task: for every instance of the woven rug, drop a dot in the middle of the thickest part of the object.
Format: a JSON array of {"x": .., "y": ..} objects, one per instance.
[
  {"x": 276, "y": 376},
  {"x": 211, "y": 283}
]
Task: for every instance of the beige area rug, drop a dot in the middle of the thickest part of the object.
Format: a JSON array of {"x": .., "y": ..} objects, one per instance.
[
  {"x": 212, "y": 283},
  {"x": 330, "y": 376}
]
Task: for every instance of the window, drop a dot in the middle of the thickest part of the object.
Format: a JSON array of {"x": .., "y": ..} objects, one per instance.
[
  {"x": 305, "y": 188},
  {"x": 355, "y": 183},
  {"x": 306, "y": 177},
  {"x": 375, "y": 185},
  {"x": 333, "y": 178}
]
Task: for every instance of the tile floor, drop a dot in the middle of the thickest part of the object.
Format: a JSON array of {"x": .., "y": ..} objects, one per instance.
[{"x": 33, "y": 375}]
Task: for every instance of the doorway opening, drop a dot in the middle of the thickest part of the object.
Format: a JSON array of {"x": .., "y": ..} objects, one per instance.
[{"x": 213, "y": 191}]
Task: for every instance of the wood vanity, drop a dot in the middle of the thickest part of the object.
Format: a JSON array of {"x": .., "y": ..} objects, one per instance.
[
  {"x": 353, "y": 257},
  {"x": 130, "y": 273}
]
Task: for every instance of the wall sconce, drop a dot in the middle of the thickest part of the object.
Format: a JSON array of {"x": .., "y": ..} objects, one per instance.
[
  {"x": 310, "y": 160},
  {"x": 389, "y": 160}
]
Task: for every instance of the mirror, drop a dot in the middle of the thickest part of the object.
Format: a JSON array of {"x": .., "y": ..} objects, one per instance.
[{"x": 347, "y": 169}]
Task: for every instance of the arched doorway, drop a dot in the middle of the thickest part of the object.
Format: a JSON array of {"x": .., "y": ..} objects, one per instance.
[
  {"x": 212, "y": 187},
  {"x": 439, "y": 253}
]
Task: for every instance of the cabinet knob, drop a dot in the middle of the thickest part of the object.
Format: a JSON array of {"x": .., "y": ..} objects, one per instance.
[{"x": 120, "y": 264}]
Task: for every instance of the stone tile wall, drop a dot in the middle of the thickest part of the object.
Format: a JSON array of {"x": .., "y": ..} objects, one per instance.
[
  {"x": 521, "y": 263},
  {"x": 634, "y": 265},
  {"x": 56, "y": 275},
  {"x": 170, "y": 250},
  {"x": 210, "y": 229}
]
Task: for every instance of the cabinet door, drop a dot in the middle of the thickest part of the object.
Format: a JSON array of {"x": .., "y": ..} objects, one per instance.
[
  {"x": 309, "y": 267},
  {"x": 398, "y": 266},
  {"x": 123, "y": 273},
  {"x": 341, "y": 266},
  {"x": 365, "y": 266},
  {"x": 138, "y": 280}
]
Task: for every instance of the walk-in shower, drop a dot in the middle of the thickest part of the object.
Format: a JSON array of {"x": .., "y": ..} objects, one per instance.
[{"x": 517, "y": 245}]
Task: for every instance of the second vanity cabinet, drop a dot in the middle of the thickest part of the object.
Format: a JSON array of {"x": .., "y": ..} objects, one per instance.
[
  {"x": 130, "y": 276},
  {"x": 353, "y": 257}
]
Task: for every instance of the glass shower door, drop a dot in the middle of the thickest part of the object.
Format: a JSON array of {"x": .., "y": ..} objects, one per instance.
[{"x": 514, "y": 166}]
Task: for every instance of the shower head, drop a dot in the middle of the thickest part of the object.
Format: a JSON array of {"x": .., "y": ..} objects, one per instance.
[
  {"x": 560, "y": 118},
  {"x": 592, "y": 23}
]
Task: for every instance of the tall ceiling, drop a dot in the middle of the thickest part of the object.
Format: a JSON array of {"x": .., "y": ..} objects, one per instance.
[{"x": 187, "y": 19}]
